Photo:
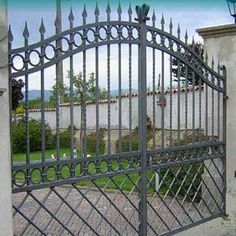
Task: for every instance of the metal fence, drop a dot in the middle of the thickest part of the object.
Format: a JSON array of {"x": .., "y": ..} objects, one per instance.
[{"x": 158, "y": 181}]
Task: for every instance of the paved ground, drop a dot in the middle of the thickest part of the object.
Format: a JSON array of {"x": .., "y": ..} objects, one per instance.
[{"x": 91, "y": 212}]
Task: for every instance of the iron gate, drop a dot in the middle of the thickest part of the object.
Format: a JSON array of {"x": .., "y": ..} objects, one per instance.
[{"x": 167, "y": 172}]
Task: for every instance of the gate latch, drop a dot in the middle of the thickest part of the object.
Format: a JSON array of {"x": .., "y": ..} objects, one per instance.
[{"x": 2, "y": 91}]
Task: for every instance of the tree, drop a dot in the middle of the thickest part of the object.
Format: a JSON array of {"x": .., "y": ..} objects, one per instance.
[
  {"x": 181, "y": 70},
  {"x": 83, "y": 91}
]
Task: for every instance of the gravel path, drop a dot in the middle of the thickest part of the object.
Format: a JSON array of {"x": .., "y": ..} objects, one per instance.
[{"x": 94, "y": 212}]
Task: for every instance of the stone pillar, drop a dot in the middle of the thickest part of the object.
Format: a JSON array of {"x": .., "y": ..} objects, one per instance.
[
  {"x": 5, "y": 157},
  {"x": 220, "y": 43}
]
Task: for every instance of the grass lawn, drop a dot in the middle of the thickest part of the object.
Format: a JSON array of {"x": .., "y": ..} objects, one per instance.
[{"x": 118, "y": 181}]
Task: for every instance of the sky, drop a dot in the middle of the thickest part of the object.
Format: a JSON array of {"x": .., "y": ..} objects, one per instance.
[{"x": 190, "y": 14}]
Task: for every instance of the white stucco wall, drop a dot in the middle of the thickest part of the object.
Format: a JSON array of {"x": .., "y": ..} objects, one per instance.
[
  {"x": 5, "y": 166},
  {"x": 64, "y": 113}
]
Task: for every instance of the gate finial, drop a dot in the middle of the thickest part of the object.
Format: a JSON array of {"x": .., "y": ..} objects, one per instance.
[
  {"x": 10, "y": 35},
  {"x": 130, "y": 12},
  {"x": 153, "y": 18},
  {"x": 171, "y": 26},
  {"x": 71, "y": 15},
  {"x": 42, "y": 29},
  {"x": 119, "y": 11},
  {"x": 142, "y": 12},
  {"x": 96, "y": 12},
  {"x": 162, "y": 22},
  {"x": 186, "y": 37},
  {"x": 26, "y": 31}
]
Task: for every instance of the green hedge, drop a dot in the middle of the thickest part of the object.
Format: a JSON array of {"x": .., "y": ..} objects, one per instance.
[
  {"x": 91, "y": 142},
  {"x": 19, "y": 136},
  {"x": 126, "y": 141}
]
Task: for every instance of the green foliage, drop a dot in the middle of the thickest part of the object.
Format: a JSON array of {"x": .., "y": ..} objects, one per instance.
[
  {"x": 179, "y": 179},
  {"x": 19, "y": 136},
  {"x": 91, "y": 142},
  {"x": 133, "y": 140},
  {"x": 65, "y": 139}
]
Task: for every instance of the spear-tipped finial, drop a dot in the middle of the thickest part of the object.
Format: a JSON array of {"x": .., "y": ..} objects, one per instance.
[
  {"x": 178, "y": 30},
  {"x": 108, "y": 10},
  {"x": 42, "y": 29},
  {"x": 193, "y": 41},
  {"x": 57, "y": 22},
  {"x": 84, "y": 13},
  {"x": 171, "y": 25},
  {"x": 10, "y": 35},
  {"x": 186, "y": 37},
  {"x": 212, "y": 62},
  {"x": 96, "y": 12},
  {"x": 119, "y": 10},
  {"x": 130, "y": 12},
  {"x": 153, "y": 18},
  {"x": 26, "y": 31},
  {"x": 162, "y": 21},
  {"x": 71, "y": 16}
]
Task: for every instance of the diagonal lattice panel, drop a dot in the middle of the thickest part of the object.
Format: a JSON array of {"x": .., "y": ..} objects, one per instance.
[
  {"x": 184, "y": 194},
  {"x": 83, "y": 208}
]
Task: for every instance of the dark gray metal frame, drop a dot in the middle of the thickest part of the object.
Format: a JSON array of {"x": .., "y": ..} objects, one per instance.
[{"x": 146, "y": 160}]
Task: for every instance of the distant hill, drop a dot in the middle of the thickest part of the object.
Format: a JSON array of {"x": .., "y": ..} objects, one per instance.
[{"x": 33, "y": 94}]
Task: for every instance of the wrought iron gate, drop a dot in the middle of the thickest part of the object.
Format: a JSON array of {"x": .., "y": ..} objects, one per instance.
[{"x": 167, "y": 172}]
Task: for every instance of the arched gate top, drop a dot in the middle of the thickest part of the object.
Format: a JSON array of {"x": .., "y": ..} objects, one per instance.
[{"x": 45, "y": 53}]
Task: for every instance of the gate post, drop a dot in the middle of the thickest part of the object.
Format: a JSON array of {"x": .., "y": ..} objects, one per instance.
[
  {"x": 220, "y": 43},
  {"x": 142, "y": 12},
  {"x": 5, "y": 157}
]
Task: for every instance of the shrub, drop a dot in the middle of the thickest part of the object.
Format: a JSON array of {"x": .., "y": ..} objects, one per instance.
[
  {"x": 65, "y": 139},
  {"x": 19, "y": 136},
  {"x": 91, "y": 142},
  {"x": 134, "y": 140},
  {"x": 179, "y": 172},
  {"x": 177, "y": 176}
]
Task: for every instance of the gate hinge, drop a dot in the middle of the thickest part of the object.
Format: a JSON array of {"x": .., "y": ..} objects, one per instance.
[
  {"x": 2, "y": 91},
  {"x": 226, "y": 97}
]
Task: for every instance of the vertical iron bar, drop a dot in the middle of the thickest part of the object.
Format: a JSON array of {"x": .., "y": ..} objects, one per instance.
[
  {"x": 193, "y": 105},
  {"x": 97, "y": 82},
  {"x": 218, "y": 108},
  {"x": 154, "y": 85},
  {"x": 59, "y": 86},
  {"x": 200, "y": 110},
  {"x": 212, "y": 109},
  {"x": 119, "y": 86},
  {"x": 130, "y": 81},
  {"x": 224, "y": 130},
  {"x": 206, "y": 105},
  {"x": 42, "y": 102},
  {"x": 178, "y": 85},
  {"x": 162, "y": 92},
  {"x": 142, "y": 86},
  {"x": 84, "y": 90},
  {"x": 171, "y": 86},
  {"x": 26, "y": 36},
  {"x": 72, "y": 145},
  {"x": 108, "y": 11},
  {"x": 178, "y": 104},
  {"x": 186, "y": 101},
  {"x": 10, "y": 39},
  {"x": 59, "y": 65},
  {"x": 186, "y": 93}
]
